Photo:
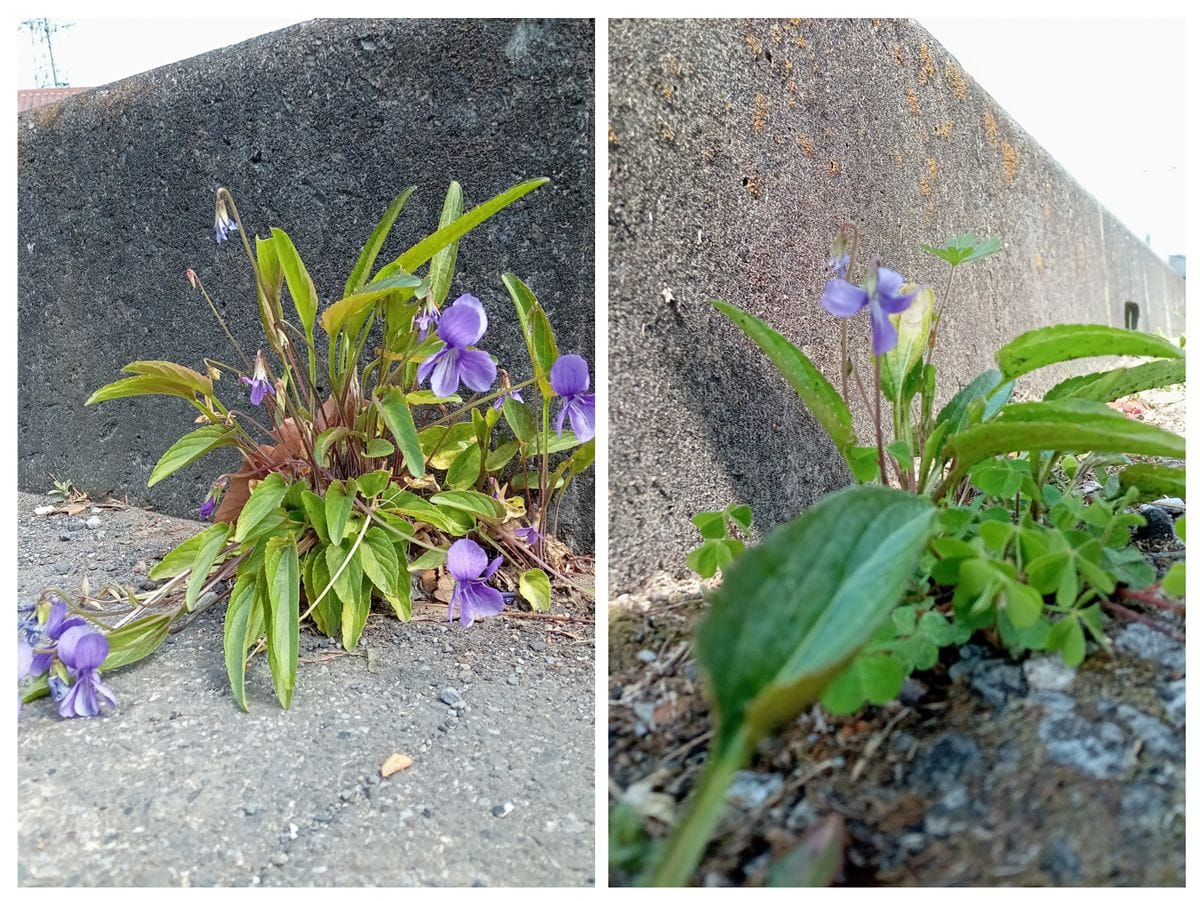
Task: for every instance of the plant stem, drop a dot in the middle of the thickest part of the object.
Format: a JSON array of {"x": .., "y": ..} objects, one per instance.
[
  {"x": 879, "y": 424},
  {"x": 687, "y": 845},
  {"x": 937, "y": 319}
]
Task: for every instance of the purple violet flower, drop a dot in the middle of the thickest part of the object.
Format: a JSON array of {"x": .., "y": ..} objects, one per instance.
[
  {"x": 529, "y": 534},
  {"x": 499, "y": 402},
  {"x": 207, "y": 508},
  {"x": 881, "y": 293},
  {"x": 467, "y": 562},
  {"x": 223, "y": 224},
  {"x": 83, "y": 652},
  {"x": 428, "y": 316},
  {"x": 24, "y": 658},
  {"x": 569, "y": 379},
  {"x": 462, "y": 325},
  {"x": 260, "y": 385},
  {"x": 58, "y": 688},
  {"x": 838, "y": 265}
]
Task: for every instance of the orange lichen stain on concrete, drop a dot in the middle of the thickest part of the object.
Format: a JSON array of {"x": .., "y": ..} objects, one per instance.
[
  {"x": 1039, "y": 262},
  {"x": 928, "y": 69},
  {"x": 1011, "y": 158},
  {"x": 755, "y": 45},
  {"x": 943, "y": 130},
  {"x": 667, "y": 91},
  {"x": 876, "y": 23},
  {"x": 958, "y": 84},
  {"x": 932, "y": 166},
  {"x": 760, "y": 112},
  {"x": 990, "y": 129},
  {"x": 612, "y": 135},
  {"x": 776, "y": 33},
  {"x": 914, "y": 105},
  {"x": 923, "y": 183},
  {"x": 806, "y": 144},
  {"x": 793, "y": 90},
  {"x": 666, "y": 132},
  {"x": 753, "y": 186},
  {"x": 834, "y": 168},
  {"x": 898, "y": 53},
  {"x": 899, "y": 158},
  {"x": 928, "y": 210}
]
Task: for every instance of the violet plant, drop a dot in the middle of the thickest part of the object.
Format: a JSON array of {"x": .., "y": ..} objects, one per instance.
[
  {"x": 969, "y": 519},
  {"x": 343, "y": 494}
]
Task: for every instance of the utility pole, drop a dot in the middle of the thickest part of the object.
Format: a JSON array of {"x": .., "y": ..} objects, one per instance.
[{"x": 41, "y": 32}]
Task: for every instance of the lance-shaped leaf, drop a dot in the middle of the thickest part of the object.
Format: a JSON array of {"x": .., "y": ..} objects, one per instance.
[
  {"x": 350, "y": 311},
  {"x": 366, "y": 259},
  {"x": 339, "y": 502},
  {"x": 346, "y": 573},
  {"x": 191, "y": 446},
  {"x": 1152, "y": 480},
  {"x": 912, "y": 330},
  {"x": 398, "y": 417},
  {"x": 326, "y": 440},
  {"x": 472, "y": 502},
  {"x": 283, "y": 619},
  {"x": 441, "y": 267},
  {"x": 135, "y": 640},
  {"x": 534, "y": 586},
  {"x": 299, "y": 282},
  {"x": 423, "y": 251},
  {"x": 1065, "y": 426},
  {"x": 814, "y": 389},
  {"x": 137, "y": 386},
  {"x": 263, "y": 499},
  {"x": 956, "y": 414},
  {"x": 214, "y": 542},
  {"x": 1059, "y": 343},
  {"x": 239, "y": 633},
  {"x": 182, "y": 556},
  {"x": 173, "y": 372},
  {"x": 796, "y": 608},
  {"x": 1118, "y": 383},
  {"x": 535, "y": 329}
]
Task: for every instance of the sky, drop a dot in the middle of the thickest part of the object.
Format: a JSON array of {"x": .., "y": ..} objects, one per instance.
[{"x": 1104, "y": 97}]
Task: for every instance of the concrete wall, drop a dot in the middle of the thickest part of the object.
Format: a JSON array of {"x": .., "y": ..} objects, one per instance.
[
  {"x": 735, "y": 150},
  {"x": 314, "y": 129}
]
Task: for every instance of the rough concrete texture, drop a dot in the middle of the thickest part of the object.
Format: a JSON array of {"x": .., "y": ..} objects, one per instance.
[
  {"x": 179, "y": 787},
  {"x": 736, "y": 148},
  {"x": 314, "y": 129}
]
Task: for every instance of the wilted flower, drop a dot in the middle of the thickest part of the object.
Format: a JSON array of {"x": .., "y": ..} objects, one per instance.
[
  {"x": 837, "y": 265},
  {"x": 467, "y": 562},
  {"x": 463, "y": 324},
  {"x": 569, "y": 379},
  {"x": 260, "y": 385},
  {"x": 499, "y": 402},
  {"x": 207, "y": 508},
  {"x": 83, "y": 652},
  {"x": 428, "y": 316},
  {"x": 191, "y": 277},
  {"x": 223, "y": 224},
  {"x": 881, "y": 293}
]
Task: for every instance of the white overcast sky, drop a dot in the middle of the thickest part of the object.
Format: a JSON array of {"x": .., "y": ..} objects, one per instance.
[{"x": 1105, "y": 97}]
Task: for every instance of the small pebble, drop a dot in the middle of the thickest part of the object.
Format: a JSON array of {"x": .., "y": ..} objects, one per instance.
[
  {"x": 647, "y": 656},
  {"x": 451, "y": 698},
  {"x": 62, "y": 567},
  {"x": 93, "y": 522},
  {"x": 502, "y": 810}
]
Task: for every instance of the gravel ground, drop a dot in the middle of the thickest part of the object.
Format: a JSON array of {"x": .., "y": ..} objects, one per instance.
[{"x": 179, "y": 787}]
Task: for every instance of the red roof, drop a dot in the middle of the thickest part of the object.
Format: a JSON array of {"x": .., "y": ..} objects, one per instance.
[{"x": 35, "y": 97}]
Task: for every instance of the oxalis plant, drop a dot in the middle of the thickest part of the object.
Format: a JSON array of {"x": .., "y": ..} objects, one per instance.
[
  {"x": 973, "y": 518},
  {"x": 402, "y": 465}
]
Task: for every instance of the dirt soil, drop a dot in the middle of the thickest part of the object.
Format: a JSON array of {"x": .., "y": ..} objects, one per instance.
[
  {"x": 987, "y": 771},
  {"x": 180, "y": 787}
]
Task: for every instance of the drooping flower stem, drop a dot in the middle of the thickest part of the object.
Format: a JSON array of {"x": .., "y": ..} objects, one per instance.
[
  {"x": 479, "y": 401},
  {"x": 883, "y": 476},
  {"x": 221, "y": 320},
  {"x": 937, "y": 319},
  {"x": 544, "y": 479}
]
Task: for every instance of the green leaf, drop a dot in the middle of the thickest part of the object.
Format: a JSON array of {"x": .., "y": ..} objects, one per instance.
[
  {"x": 1059, "y": 343},
  {"x": 999, "y": 476},
  {"x": 326, "y": 440},
  {"x": 314, "y": 507},
  {"x": 501, "y": 456},
  {"x": 742, "y": 515},
  {"x": 371, "y": 484},
  {"x": 339, "y": 502},
  {"x": 711, "y": 525},
  {"x": 1174, "y": 582},
  {"x": 137, "y": 386},
  {"x": 396, "y": 414},
  {"x": 380, "y": 562},
  {"x": 283, "y": 616},
  {"x": 912, "y": 329},
  {"x": 864, "y": 463},
  {"x": 206, "y": 554},
  {"x": 431, "y": 559},
  {"x": 378, "y": 448},
  {"x": 797, "y": 607},
  {"x": 464, "y": 471},
  {"x": 1154, "y": 480},
  {"x": 425, "y": 397},
  {"x": 535, "y": 329},
  {"x": 136, "y": 640},
  {"x": 356, "y": 604},
  {"x": 327, "y": 615},
  {"x": 880, "y": 676},
  {"x": 263, "y": 499},
  {"x": 1022, "y": 604},
  {"x": 441, "y": 267},
  {"x": 238, "y": 638},
  {"x": 180, "y": 559},
  {"x": 349, "y": 310},
  {"x": 1066, "y": 637},
  {"x": 188, "y": 379},
  {"x": 713, "y": 554},
  {"x": 424, "y": 250},
  {"x": 299, "y": 282},
  {"x": 956, "y": 414},
  {"x": 1071, "y": 426},
  {"x": 814, "y": 389},
  {"x": 520, "y": 420},
  {"x": 366, "y": 259},
  {"x": 1117, "y": 383},
  {"x": 844, "y": 693},
  {"x": 474, "y": 502},
  {"x": 534, "y": 586},
  {"x": 965, "y": 248},
  {"x": 902, "y": 453},
  {"x": 190, "y": 447}
]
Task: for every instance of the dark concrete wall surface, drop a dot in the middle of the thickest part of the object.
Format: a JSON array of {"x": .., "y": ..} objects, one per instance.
[
  {"x": 314, "y": 129},
  {"x": 736, "y": 148}
]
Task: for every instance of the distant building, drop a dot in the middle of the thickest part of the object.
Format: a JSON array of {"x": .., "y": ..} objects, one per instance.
[
  {"x": 1178, "y": 262},
  {"x": 35, "y": 97}
]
